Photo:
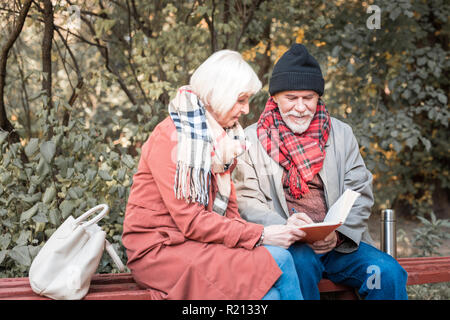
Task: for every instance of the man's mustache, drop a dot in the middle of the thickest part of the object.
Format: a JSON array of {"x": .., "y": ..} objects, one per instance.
[{"x": 298, "y": 114}]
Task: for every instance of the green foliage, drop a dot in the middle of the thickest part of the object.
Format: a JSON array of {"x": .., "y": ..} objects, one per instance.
[
  {"x": 429, "y": 291},
  {"x": 430, "y": 236},
  {"x": 66, "y": 175},
  {"x": 392, "y": 86}
]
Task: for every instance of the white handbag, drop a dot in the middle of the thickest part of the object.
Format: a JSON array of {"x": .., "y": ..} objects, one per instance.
[{"x": 64, "y": 266}]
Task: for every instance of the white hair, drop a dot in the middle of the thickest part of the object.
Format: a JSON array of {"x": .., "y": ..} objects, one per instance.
[{"x": 221, "y": 78}]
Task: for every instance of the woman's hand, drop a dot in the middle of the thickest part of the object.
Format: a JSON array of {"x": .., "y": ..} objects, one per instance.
[
  {"x": 282, "y": 235},
  {"x": 299, "y": 219}
]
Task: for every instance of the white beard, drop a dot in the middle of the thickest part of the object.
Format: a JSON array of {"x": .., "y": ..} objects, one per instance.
[{"x": 300, "y": 125}]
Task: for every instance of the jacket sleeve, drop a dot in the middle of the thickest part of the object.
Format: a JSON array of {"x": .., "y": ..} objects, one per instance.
[
  {"x": 357, "y": 178},
  {"x": 193, "y": 219},
  {"x": 251, "y": 200}
]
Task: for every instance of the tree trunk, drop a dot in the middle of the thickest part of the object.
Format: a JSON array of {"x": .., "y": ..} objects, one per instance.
[
  {"x": 4, "y": 122},
  {"x": 47, "y": 51}
]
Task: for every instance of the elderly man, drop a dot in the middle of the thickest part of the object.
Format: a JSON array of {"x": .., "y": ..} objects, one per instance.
[{"x": 299, "y": 163}]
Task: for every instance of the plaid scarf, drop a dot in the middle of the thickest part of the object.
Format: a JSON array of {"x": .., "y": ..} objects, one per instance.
[
  {"x": 301, "y": 155},
  {"x": 204, "y": 147}
]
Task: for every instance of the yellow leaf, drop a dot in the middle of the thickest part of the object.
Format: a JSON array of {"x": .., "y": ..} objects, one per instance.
[
  {"x": 372, "y": 92},
  {"x": 300, "y": 35},
  {"x": 279, "y": 51},
  {"x": 317, "y": 43},
  {"x": 249, "y": 54}
]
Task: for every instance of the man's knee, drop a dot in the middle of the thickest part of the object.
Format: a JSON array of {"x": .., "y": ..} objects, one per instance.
[
  {"x": 302, "y": 249},
  {"x": 306, "y": 259},
  {"x": 386, "y": 273},
  {"x": 394, "y": 273},
  {"x": 303, "y": 252}
]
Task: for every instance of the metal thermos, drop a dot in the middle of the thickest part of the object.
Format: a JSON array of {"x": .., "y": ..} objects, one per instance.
[{"x": 388, "y": 240}]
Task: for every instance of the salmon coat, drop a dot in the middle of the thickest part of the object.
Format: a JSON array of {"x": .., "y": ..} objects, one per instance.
[{"x": 182, "y": 250}]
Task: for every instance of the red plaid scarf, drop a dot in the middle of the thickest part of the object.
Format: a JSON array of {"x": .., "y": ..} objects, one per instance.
[{"x": 301, "y": 155}]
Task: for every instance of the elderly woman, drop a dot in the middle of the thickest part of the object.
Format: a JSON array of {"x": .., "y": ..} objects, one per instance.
[{"x": 184, "y": 236}]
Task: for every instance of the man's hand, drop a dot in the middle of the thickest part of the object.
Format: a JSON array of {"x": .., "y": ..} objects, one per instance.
[
  {"x": 299, "y": 219},
  {"x": 325, "y": 245},
  {"x": 282, "y": 235}
]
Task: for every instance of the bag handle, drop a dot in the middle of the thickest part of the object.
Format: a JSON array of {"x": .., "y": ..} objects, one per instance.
[
  {"x": 84, "y": 216},
  {"x": 108, "y": 246},
  {"x": 110, "y": 249}
]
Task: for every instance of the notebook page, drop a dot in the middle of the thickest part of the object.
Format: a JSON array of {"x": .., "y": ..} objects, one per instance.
[{"x": 341, "y": 208}]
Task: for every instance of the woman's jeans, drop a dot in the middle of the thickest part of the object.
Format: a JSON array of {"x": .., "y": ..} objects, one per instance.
[
  {"x": 375, "y": 274},
  {"x": 287, "y": 286}
]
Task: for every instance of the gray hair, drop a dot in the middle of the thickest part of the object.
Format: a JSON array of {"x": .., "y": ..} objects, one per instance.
[{"x": 221, "y": 78}]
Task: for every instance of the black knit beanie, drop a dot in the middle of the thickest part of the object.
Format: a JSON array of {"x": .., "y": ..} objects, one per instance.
[{"x": 296, "y": 70}]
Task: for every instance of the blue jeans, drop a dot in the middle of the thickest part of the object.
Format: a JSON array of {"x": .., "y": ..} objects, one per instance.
[
  {"x": 287, "y": 287},
  {"x": 375, "y": 274}
]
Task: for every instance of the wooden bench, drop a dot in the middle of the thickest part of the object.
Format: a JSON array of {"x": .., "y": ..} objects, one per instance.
[{"x": 121, "y": 286}]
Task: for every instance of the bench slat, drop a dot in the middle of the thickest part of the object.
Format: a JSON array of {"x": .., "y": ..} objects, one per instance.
[
  {"x": 427, "y": 277},
  {"x": 113, "y": 295},
  {"x": 426, "y": 270},
  {"x": 121, "y": 286},
  {"x": 141, "y": 294},
  {"x": 423, "y": 259},
  {"x": 16, "y": 292},
  {"x": 326, "y": 285}
]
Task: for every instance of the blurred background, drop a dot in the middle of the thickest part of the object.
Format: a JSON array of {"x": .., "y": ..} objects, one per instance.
[{"x": 83, "y": 84}]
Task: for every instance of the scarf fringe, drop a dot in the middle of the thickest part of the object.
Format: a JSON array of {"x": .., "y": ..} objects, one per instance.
[
  {"x": 297, "y": 186},
  {"x": 192, "y": 184}
]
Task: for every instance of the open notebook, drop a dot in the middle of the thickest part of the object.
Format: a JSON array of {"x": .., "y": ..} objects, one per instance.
[{"x": 335, "y": 217}]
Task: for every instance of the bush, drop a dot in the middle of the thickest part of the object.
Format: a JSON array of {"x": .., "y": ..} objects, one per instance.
[
  {"x": 430, "y": 236},
  {"x": 429, "y": 291},
  {"x": 76, "y": 169}
]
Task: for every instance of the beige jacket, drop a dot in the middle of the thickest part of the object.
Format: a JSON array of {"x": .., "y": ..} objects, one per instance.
[{"x": 260, "y": 193}]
